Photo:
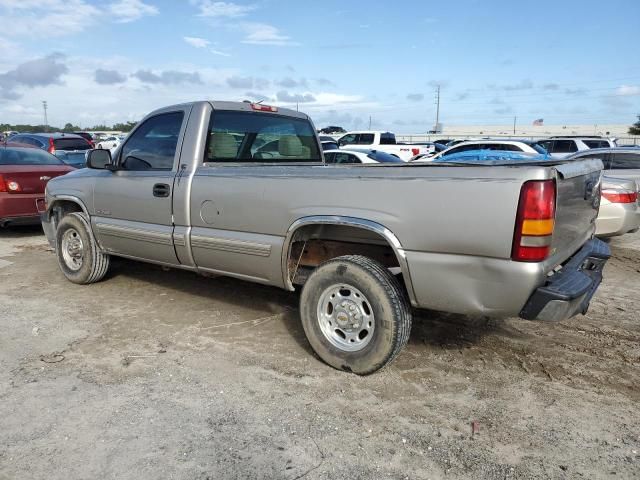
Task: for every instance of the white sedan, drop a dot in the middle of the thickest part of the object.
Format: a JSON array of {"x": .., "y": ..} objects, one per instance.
[
  {"x": 109, "y": 143},
  {"x": 526, "y": 146},
  {"x": 355, "y": 156}
]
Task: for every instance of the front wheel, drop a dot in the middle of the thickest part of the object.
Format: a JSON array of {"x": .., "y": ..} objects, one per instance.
[
  {"x": 355, "y": 314},
  {"x": 79, "y": 256}
]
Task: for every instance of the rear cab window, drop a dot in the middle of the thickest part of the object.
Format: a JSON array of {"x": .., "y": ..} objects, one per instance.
[{"x": 256, "y": 137}]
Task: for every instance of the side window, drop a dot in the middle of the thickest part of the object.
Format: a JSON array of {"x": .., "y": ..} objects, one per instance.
[
  {"x": 153, "y": 145},
  {"x": 330, "y": 157},
  {"x": 596, "y": 143},
  {"x": 365, "y": 139},
  {"x": 625, "y": 161},
  {"x": 348, "y": 139},
  {"x": 564, "y": 146},
  {"x": 387, "y": 139},
  {"x": 547, "y": 145},
  {"x": 345, "y": 158}
]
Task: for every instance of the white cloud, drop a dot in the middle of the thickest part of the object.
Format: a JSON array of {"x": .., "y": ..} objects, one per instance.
[
  {"x": 196, "y": 42},
  {"x": 45, "y": 18},
  {"x": 628, "y": 90},
  {"x": 219, "y": 52},
  {"x": 209, "y": 8},
  {"x": 131, "y": 10},
  {"x": 264, "y": 34}
]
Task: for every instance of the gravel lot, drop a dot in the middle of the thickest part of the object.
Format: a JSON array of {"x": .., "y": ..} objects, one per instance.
[{"x": 166, "y": 374}]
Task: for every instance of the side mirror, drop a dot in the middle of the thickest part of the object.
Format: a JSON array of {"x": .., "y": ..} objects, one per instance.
[{"x": 99, "y": 159}]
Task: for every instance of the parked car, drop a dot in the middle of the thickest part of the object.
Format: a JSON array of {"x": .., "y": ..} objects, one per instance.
[
  {"x": 620, "y": 162},
  {"x": 364, "y": 244},
  {"x": 522, "y": 146},
  {"x": 110, "y": 143},
  {"x": 356, "y": 156},
  {"x": 619, "y": 209},
  {"x": 87, "y": 136},
  {"x": 68, "y": 147},
  {"x": 24, "y": 172},
  {"x": 332, "y": 129},
  {"x": 564, "y": 146},
  {"x": 382, "y": 141}
]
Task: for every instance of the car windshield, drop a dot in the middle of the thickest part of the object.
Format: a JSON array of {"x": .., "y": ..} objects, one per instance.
[
  {"x": 260, "y": 137},
  {"x": 538, "y": 148},
  {"x": 27, "y": 156}
]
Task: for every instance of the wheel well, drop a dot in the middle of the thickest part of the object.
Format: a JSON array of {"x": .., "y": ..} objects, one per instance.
[
  {"x": 312, "y": 245},
  {"x": 60, "y": 208}
]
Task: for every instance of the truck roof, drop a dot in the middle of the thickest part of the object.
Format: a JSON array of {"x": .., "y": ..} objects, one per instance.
[{"x": 236, "y": 106}]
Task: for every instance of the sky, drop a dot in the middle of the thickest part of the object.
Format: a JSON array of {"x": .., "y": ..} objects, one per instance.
[{"x": 343, "y": 63}]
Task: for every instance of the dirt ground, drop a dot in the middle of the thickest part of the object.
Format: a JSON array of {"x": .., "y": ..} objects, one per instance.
[{"x": 165, "y": 374}]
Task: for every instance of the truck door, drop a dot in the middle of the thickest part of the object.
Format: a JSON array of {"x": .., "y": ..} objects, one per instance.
[{"x": 133, "y": 205}]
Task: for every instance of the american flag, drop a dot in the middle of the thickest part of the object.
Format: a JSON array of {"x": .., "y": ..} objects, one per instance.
[{"x": 538, "y": 122}]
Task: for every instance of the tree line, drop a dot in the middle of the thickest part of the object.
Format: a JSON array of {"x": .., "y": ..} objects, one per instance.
[{"x": 68, "y": 128}]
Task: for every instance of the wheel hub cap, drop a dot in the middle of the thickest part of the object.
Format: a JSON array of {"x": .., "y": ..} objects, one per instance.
[
  {"x": 345, "y": 317},
  {"x": 72, "y": 249}
]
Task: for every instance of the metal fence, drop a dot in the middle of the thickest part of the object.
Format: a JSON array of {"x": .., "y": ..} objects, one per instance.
[{"x": 421, "y": 138}]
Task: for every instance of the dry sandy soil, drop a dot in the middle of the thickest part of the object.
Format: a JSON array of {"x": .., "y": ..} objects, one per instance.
[{"x": 165, "y": 374}]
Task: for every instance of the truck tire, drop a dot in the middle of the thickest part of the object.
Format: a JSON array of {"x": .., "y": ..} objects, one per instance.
[
  {"x": 79, "y": 256},
  {"x": 355, "y": 314}
]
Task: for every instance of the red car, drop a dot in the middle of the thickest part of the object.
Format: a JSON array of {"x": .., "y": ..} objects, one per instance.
[{"x": 24, "y": 173}]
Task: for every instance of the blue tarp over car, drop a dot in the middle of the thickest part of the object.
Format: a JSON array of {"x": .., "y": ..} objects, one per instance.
[{"x": 491, "y": 157}]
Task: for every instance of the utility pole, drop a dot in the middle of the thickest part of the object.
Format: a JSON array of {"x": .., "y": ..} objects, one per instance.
[
  {"x": 514, "y": 125},
  {"x": 369, "y": 122},
  {"x": 435, "y": 127},
  {"x": 46, "y": 123}
]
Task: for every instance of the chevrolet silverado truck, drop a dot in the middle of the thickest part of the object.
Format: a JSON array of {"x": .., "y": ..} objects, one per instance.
[
  {"x": 385, "y": 142},
  {"x": 241, "y": 189}
]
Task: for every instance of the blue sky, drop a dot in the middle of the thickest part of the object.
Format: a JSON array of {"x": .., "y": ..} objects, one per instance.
[{"x": 569, "y": 62}]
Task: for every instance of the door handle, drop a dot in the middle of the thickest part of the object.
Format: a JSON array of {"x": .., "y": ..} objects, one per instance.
[{"x": 161, "y": 190}]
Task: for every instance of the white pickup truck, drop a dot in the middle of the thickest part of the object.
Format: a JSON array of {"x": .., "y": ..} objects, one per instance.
[{"x": 385, "y": 142}]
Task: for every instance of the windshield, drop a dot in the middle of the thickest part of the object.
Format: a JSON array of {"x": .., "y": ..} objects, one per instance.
[
  {"x": 27, "y": 156},
  {"x": 260, "y": 137}
]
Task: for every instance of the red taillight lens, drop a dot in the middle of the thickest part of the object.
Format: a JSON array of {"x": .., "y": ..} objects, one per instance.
[
  {"x": 52, "y": 147},
  {"x": 263, "y": 108},
  {"x": 535, "y": 221},
  {"x": 3, "y": 187},
  {"x": 619, "y": 196}
]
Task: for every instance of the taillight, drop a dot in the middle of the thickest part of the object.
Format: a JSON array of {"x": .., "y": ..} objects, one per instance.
[
  {"x": 535, "y": 221},
  {"x": 620, "y": 196},
  {"x": 52, "y": 147},
  {"x": 3, "y": 187},
  {"x": 263, "y": 108}
]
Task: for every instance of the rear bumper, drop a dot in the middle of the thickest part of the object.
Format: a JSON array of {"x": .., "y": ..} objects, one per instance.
[
  {"x": 20, "y": 209},
  {"x": 617, "y": 219},
  {"x": 569, "y": 291}
]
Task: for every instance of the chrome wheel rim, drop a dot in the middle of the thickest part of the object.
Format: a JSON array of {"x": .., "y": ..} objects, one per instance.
[
  {"x": 72, "y": 249},
  {"x": 345, "y": 317}
]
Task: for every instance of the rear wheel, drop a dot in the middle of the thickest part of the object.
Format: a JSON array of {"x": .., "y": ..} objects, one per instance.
[
  {"x": 355, "y": 314},
  {"x": 79, "y": 256}
]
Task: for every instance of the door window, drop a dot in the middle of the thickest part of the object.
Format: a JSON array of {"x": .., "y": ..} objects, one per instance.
[
  {"x": 153, "y": 145},
  {"x": 365, "y": 139},
  {"x": 625, "y": 161},
  {"x": 348, "y": 139},
  {"x": 564, "y": 146}
]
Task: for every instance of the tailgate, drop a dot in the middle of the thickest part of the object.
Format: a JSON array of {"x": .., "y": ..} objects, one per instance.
[{"x": 578, "y": 200}]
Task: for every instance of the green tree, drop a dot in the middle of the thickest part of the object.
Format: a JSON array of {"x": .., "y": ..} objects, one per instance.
[
  {"x": 635, "y": 128},
  {"x": 69, "y": 127}
]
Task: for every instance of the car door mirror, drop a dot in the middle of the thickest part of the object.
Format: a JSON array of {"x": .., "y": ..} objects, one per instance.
[{"x": 99, "y": 159}]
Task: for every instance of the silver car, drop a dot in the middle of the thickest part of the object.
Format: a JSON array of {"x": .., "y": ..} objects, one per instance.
[
  {"x": 622, "y": 162},
  {"x": 619, "y": 209}
]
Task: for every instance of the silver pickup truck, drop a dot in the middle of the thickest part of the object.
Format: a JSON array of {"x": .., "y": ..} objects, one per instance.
[{"x": 241, "y": 189}]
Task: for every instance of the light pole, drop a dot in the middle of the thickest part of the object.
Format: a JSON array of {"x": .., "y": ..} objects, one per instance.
[{"x": 46, "y": 124}]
